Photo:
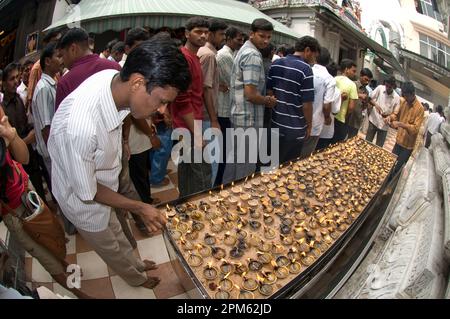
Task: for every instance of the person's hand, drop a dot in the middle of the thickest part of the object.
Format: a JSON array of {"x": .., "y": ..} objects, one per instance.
[
  {"x": 270, "y": 101},
  {"x": 344, "y": 96},
  {"x": 308, "y": 132},
  {"x": 8, "y": 132},
  {"x": 152, "y": 217},
  {"x": 156, "y": 142},
  {"x": 387, "y": 120},
  {"x": 327, "y": 120},
  {"x": 224, "y": 88},
  {"x": 395, "y": 124},
  {"x": 379, "y": 110},
  {"x": 126, "y": 150},
  {"x": 215, "y": 124}
]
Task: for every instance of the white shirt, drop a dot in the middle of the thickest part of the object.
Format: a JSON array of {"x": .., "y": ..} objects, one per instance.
[
  {"x": 85, "y": 147},
  {"x": 324, "y": 88},
  {"x": 22, "y": 90},
  {"x": 328, "y": 130},
  {"x": 43, "y": 107},
  {"x": 388, "y": 104},
  {"x": 434, "y": 121},
  {"x": 139, "y": 142}
]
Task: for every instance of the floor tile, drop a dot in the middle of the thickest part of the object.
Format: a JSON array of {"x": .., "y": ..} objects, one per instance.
[
  {"x": 174, "y": 179},
  {"x": 162, "y": 188},
  {"x": 63, "y": 292},
  {"x": 154, "y": 249},
  {"x": 71, "y": 245},
  {"x": 167, "y": 196},
  {"x": 124, "y": 291},
  {"x": 38, "y": 273},
  {"x": 136, "y": 232},
  {"x": 113, "y": 273},
  {"x": 170, "y": 285},
  {"x": 81, "y": 245},
  {"x": 49, "y": 285},
  {"x": 72, "y": 259},
  {"x": 93, "y": 266},
  {"x": 172, "y": 166},
  {"x": 98, "y": 288}
]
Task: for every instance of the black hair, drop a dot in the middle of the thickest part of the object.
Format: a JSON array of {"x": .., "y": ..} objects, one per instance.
[
  {"x": 110, "y": 44},
  {"x": 346, "y": 64},
  {"x": 137, "y": 34},
  {"x": 217, "y": 25},
  {"x": 162, "y": 35},
  {"x": 267, "y": 51},
  {"x": 8, "y": 69},
  {"x": 118, "y": 47},
  {"x": 324, "y": 57},
  {"x": 75, "y": 35},
  {"x": 440, "y": 109},
  {"x": 160, "y": 62},
  {"x": 27, "y": 63},
  {"x": 232, "y": 33},
  {"x": 332, "y": 68},
  {"x": 1, "y": 76},
  {"x": 48, "y": 52},
  {"x": 261, "y": 25},
  {"x": 49, "y": 36},
  {"x": 408, "y": 88},
  {"x": 366, "y": 72},
  {"x": 391, "y": 80},
  {"x": 196, "y": 22},
  {"x": 307, "y": 42}
]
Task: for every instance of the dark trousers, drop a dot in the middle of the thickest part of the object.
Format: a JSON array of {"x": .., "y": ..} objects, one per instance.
[
  {"x": 340, "y": 131},
  {"x": 34, "y": 172},
  {"x": 381, "y": 135},
  {"x": 224, "y": 124},
  {"x": 290, "y": 150},
  {"x": 428, "y": 139},
  {"x": 352, "y": 131},
  {"x": 403, "y": 156},
  {"x": 323, "y": 143},
  {"x": 139, "y": 166}
]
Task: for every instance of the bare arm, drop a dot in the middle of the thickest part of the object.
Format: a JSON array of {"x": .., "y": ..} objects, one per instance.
[
  {"x": 30, "y": 138},
  {"x": 208, "y": 96},
  {"x": 17, "y": 146},
  {"x": 150, "y": 215},
  {"x": 307, "y": 112},
  {"x": 252, "y": 95},
  {"x": 45, "y": 133}
]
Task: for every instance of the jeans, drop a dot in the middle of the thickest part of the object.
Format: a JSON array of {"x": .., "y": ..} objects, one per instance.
[
  {"x": 309, "y": 146},
  {"x": 381, "y": 134},
  {"x": 403, "y": 156},
  {"x": 352, "y": 131},
  {"x": 159, "y": 158},
  {"x": 224, "y": 124},
  {"x": 290, "y": 149},
  {"x": 340, "y": 131}
]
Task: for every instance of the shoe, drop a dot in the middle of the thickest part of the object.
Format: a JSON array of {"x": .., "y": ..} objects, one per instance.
[
  {"x": 165, "y": 182},
  {"x": 151, "y": 282}
]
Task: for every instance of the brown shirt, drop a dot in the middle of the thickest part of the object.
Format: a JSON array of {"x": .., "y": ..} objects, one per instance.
[
  {"x": 17, "y": 115},
  {"x": 207, "y": 55},
  {"x": 412, "y": 116}
]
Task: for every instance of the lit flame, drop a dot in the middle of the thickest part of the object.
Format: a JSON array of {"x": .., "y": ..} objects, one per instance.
[
  {"x": 226, "y": 276},
  {"x": 274, "y": 264},
  {"x": 311, "y": 244},
  {"x": 232, "y": 183},
  {"x": 253, "y": 175},
  {"x": 237, "y": 287},
  {"x": 168, "y": 207},
  {"x": 221, "y": 187},
  {"x": 210, "y": 264},
  {"x": 303, "y": 254}
]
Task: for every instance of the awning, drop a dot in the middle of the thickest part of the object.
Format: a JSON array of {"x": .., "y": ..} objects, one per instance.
[
  {"x": 97, "y": 16},
  {"x": 370, "y": 44}
]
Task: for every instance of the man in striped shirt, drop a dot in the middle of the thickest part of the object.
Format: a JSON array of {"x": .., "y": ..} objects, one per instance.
[
  {"x": 85, "y": 146},
  {"x": 248, "y": 99},
  {"x": 291, "y": 80}
]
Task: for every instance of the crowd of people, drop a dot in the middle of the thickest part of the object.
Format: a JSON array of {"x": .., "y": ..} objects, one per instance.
[{"x": 97, "y": 129}]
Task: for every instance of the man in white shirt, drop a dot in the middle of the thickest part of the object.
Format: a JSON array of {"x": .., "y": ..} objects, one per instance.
[
  {"x": 22, "y": 89},
  {"x": 85, "y": 146},
  {"x": 324, "y": 92},
  {"x": 434, "y": 123},
  {"x": 384, "y": 101},
  {"x": 43, "y": 104}
]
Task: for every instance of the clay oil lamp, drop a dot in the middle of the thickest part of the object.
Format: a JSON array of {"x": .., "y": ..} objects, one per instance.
[
  {"x": 194, "y": 260},
  {"x": 176, "y": 234},
  {"x": 170, "y": 212},
  {"x": 280, "y": 272},
  {"x": 254, "y": 265},
  {"x": 335, "y": 235},
  {"x": 284, "y": 198},
  {"x": 204, "y": 251},
  {"x": 268, "y": 208},
  {"x": 263, "y": 288},
  {"x": 272, "y": 194},
  {"x": 248, "y": 283},
  {"x": 303, "y": 247},
  {"x": 278, "y": 249},
  {"x": 183, "y": 227},
  {"x": 268, "y": 219},
  {"x": 282, "y": 261},
  {"x": 299, "y": 232},
  {"x": 241, "y": 210},
  {"x": 269, "y": 233},
  {"x": 269, "y": 277},
  {"x": 224, "y": 193},
  {"x": 210, "y": 214},
  {"x": 247, "y": 186},
  {"x": 210, "y": 272},
  {"x": 253, "y": 203},
  {"x": 280, "y": 212},
  {"x": 240, "y": 268},
  {"x": 264, "y": 258},
  {"x": 286, "y": 240},
  {"x": 236, "y": 190},
  {"x": 216, "y": 226},
  {"x": 245, "y": 197},
  {"x": 197, "y": 226},
  {"x": 191, "y": 235},
  {"x": 233, "y": 201},
  {"x": 186, "y": 245},
  {"x": 271, "y": 187},
  {"x": 300, "y": 215},
  {"x": 254, "y": 213},
  {"x": 293, "y": 254},
  {"x": 264, "y": 246},
  {"x": 307, "y": 260},
  {"x": 226, "y": 267},
  {"x": 254, "y": 240},
  {"x": 213, "y": 199},
  {"x": 229, "y": 239},
  {"x": 222, "y": 294},
  {"x": 265, "y": 179},
  {"x": 240, "y": 233},
  {"x": 316, "y": 253},
  {"x": 244, "y": 294},
  {"x": 210, "y": 239},
  {"x": 226, "y": 283},
  {"x": 218, "y": 253},
  {"x": 256, "y": 182},
  {"x": 236, "y": 252},
  {"x": 229, "y": 216},
  {"x": 229, "y": 225},
  {"x": 254, "y": 224},
  {"x": 284, "y": 229}
]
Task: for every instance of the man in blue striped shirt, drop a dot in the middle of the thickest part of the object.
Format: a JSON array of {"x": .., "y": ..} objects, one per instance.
[{"x": 290, "y": 80}]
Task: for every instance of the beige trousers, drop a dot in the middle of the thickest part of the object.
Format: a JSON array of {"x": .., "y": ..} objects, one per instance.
[{"x": 115, "y": 250}]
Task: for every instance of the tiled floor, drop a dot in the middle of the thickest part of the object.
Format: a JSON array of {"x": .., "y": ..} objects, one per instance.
[{"x": 100, "y": 281}]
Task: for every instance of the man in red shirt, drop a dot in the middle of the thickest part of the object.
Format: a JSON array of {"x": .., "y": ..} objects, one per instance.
[
  {"x": 79, "y": 59},
  {"x": 187, "y": 112}
]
